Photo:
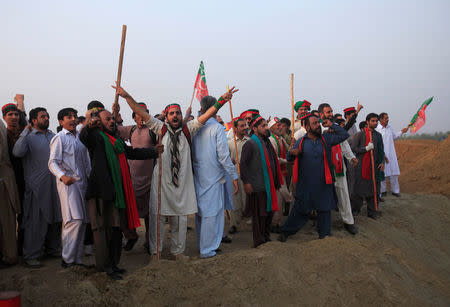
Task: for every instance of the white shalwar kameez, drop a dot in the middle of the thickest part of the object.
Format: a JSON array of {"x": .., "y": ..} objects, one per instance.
[
  {"x": 176, "y": 202},
  {"x": 69, "y": 157},
  {"x": 391, "y": 169},
  {"x": 341, "y": 187}
]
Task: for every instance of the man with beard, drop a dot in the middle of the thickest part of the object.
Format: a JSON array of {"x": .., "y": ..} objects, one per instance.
[
  {"x": 178, "y": 198},
  {"x": 212, "y": 168},
  {"x": 283, "y": 196},
  {"x": 338, "y": 153},
  {"x": 141, "y": 171},
  {"x": 69, "y": 163},
  {"x": 240, "y": 128},
  {"x": 109, "y": 192},
  {"x": 10, "y": 205},
  {"x": 41, "y": 208},
  {"x": 314, "y": 178},
  {"x": 391, "y": 170},
  {"x": 15, "y": 119},
  {"x": 261, "y": 175},
  {"x": 301, "y": 107},
  {"x": 247, "y": 117},
  {"x": 362, "y": 144}
]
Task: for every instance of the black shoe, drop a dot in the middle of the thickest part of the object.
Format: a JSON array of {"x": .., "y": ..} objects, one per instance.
[
  {"x": 66, "y": 265},
  {"x": 218, "y": 251},
  {"x": 396, "y": 194},
  {"x": 275, "y": 229},
  {"x": 384, "y": 194},
  {"x": 282, "y": 237},
  {"x": 381, "y": 200},
  {"x": 356, "y": 213},
  {"x": 115, "y": 276},
  {"x": 373, "y": 216},
  {"x": 351, "y": 228},
  {"x": 118, "y": 270},
  {"x": 232, "y": 230},
  {"x": 130, "y": 244},
  {"x": 287, "y": 206},
  {"x": 4, "y": 265},
  {"x": 226, "y": 239}
]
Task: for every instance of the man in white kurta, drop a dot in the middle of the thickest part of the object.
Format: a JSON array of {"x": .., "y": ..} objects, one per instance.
[
  {"x": 212, "y": 162},
  {"x": 69, "y": 158},
  {"x": 178, "y": 198},
  {"x": 240, "y": 197},
  {"x": 391, "y": 169}
]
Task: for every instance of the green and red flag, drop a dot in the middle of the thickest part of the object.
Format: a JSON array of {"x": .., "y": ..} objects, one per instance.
[
  {"x": 200, "y": 83},
  {"x": 418, "y": 119}
]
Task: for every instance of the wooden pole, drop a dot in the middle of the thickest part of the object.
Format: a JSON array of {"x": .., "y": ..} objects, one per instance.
[
  {"x": 192, "y": 99},
  {"x": 119, "y": 71},
  {"x": 234, "y": 135},
  {"x": 158, "y": 222},
  {"x": 292, "y": 105},
  {"x": 375, "y": 194}
]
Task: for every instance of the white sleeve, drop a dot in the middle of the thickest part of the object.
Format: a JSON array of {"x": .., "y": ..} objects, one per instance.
[
  {"x": 194, "y": 126},
  {"x": 56, "y": 156},
  {"x": 154, "y": 124},
  {"x": 347, "y": 151}
]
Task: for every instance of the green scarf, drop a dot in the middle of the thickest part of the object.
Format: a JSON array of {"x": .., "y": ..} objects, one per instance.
[{"x": 114, "y": 166}]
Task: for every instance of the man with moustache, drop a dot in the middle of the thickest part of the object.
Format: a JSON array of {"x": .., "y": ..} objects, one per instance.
[
  {"x": 261, "y": 175},
  {"x": 109, "y": 192},
  {"x": 314, "y": 178},
  {"x": 301, "y": 107},
  {"x": 41, "y": 208},
  {"x": 141, "y": 171},
  {"x": 178, "y": 198}
]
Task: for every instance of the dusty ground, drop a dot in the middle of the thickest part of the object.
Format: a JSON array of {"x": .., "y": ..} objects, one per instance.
[{"x": 401, "y": 259}]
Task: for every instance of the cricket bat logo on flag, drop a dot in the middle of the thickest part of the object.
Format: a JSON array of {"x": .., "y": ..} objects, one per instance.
[
  {"x": 200, "y": 83},
  {"x": 418, "y": 119}
]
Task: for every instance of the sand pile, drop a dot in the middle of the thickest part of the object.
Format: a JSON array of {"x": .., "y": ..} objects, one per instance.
[
  {"x": 400, "y": 259},
  {"x": 424, "y": 166}
]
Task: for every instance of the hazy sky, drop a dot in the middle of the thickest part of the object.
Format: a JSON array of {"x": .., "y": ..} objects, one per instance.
[{"x": 389, "y": 55}]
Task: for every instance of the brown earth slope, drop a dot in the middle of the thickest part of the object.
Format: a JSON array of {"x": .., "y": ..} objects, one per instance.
[
  {"x": 424, "y": 166},
  {"x": 401, "y": 259}
]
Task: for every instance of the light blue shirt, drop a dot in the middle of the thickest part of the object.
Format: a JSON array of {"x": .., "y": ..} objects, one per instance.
[{"x": 212, "y": 167}]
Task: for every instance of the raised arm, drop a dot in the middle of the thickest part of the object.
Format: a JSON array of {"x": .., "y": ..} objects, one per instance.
[
  {"x": 216, "y": 107},
  {"x": 20, "y": 149},
  {"x": 132, "y": 103}
]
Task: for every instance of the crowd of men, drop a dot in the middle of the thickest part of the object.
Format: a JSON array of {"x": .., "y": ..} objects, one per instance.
[{"x": 82, "y": 190}]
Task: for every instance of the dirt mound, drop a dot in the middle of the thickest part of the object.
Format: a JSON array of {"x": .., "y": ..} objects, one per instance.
[
  {"x": 424, "y": 166},
  {"x": 400, "y": 259}
]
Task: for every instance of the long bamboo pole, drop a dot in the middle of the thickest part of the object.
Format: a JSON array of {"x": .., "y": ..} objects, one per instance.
[
  {"x": 158, "y": 222},
  {"x": 119, "y": 71},
  {"x": 375, "y": 194},
  {"x": 192, "y": 99},
  {"x": 292, "y": 105}
]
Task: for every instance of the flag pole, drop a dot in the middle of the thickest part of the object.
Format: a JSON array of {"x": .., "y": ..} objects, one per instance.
[
  {"x": 375, "y": 195},
  {"x": 192, "y": 99},
  {"x": 158, "y": 224},
  {"x": 292, "y": 105},
  {"x": 119, "y": 71},
  {"x": 234, "y": 135}
]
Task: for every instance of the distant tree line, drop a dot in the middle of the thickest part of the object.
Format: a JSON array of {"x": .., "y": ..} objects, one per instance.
[{"x": 438, "y": 136}]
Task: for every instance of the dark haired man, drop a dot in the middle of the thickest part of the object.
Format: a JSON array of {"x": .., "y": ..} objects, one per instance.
[
  {"x": 178, "y": 198},
  {"x": 261, "y": 175},
  {"x": 314, "y": 178},
  {"x": 41, "y": 208},
  {"x": 240, "y": 128},
  {"x": 69, "y": 163},
  {"x": 363, "y": 143},
  {"x": 351, "y": 114}
]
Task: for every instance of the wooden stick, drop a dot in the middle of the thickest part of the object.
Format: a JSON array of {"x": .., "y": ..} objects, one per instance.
[
  {"x": 292, "y": 105},
  {"x": 234, "y": 135},
  {"x": 119, "y": 71},
  {"x": 375, "y": 195},
  {"x": 192, "y": 99},
  {"x": 158, "y": 223}
]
